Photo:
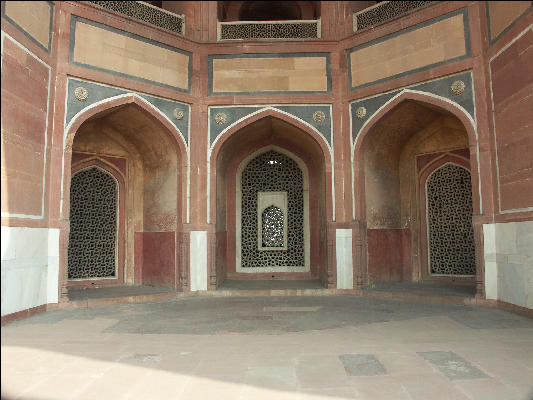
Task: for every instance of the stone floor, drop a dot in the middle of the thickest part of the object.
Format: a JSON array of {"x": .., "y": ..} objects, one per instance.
[
  {"x": 78, "y": 294},
  {"x": 270, "y": 284},
  {"x": 323, "y": 347},
  {"x": 431, "y": 289}
]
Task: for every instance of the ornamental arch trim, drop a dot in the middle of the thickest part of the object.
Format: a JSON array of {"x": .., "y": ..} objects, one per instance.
[
  {"x": 425, "y": 98},
  {"x": 124, "y": 99},
  {"x": 215, "y": 148}
]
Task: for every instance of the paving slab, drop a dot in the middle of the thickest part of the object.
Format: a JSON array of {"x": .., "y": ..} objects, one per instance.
[{"x": 286, "y": 347}]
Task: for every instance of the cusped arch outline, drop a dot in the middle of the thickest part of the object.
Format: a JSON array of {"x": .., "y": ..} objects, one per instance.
[
  {"x": 216, "y": 146},
  {"x": 425, "y": 98}
]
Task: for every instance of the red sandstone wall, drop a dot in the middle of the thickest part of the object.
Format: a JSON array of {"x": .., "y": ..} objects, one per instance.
[
  {"x": 512, "y": 86},
  {"x": 388, "y": 255},
  {"x": 25, "y": 83}
]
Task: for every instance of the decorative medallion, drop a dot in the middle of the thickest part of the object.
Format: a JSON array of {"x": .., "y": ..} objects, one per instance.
[
  {"x": 360, "y": 112},
  {"x": 221, "y": 118},
  {"x": 458, "y": 87},
  {"x": 319, "y": 117},
  {"x": 178, "y": 113},
  {"x": 81, "y": 93}
]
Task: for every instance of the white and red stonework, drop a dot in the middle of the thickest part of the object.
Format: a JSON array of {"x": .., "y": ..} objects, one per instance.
[{"x": 368, "y": 115}]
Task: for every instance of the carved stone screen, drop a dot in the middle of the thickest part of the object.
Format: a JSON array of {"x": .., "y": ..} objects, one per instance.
[
  {"x": 272, "y": 227},
  {"x": 272, "y": 172},
  {"x": 449, "y": 220},
  {"x": 93, "y": 225}
]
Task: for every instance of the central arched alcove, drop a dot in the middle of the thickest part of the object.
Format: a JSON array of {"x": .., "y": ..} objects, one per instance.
[
  {"x": 284, "y": 141},
  {"x": 129, "y": 141},
  {"x": 393, "y": 160}
]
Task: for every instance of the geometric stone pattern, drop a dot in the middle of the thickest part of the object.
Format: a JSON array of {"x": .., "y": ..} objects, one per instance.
[
  {"x": 384, "y": 12},
  {"x": 272, "y": 227},
  {"x": 255, "y": 30},
  {"x": 452, "y": 365},
  {"x": 449, "y": 216},
  {"x": 93, "y": 225},
  {"x": 146, "y": 13},
  {"x": 272, "y": 171},
  {"x": 362, "y": 365}
]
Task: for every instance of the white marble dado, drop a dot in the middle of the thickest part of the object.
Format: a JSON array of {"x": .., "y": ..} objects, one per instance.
[
  {"x": 343, "y": 246},
  {"x": 30, "y": 268},
  {"x": 198, "y": 257},
  {"x": 508, "y": 251}
]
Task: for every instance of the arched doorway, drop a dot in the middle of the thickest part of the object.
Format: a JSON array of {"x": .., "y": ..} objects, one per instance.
[
  {"x": 447, "y": 233},
  {"x": 272, "y": 213},
  {"x": 270, "y": 164},
  {"x": 95, "y": 250},
  {"x": 405, "y": 164},
  {"x": 132, "y": 143}
]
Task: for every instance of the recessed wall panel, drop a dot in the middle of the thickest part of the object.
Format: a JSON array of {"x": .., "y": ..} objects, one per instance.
[
  {"x": 422, "y": 46},
  {"x": 272, "y": 73},
  {"x": 111, "y": 50}
]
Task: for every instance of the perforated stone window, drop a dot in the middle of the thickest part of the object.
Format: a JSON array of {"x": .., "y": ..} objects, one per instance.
[
  {"x": 269, "y": 30},
  {"x": 273, "y": 232},
  {"x": 449, "y": 221},
  {"x": 268, "y": 176},
  {"x": 384, "y": 11},
  {"x": 145, "y": 12},
  {"x": 92, "y": 249}
]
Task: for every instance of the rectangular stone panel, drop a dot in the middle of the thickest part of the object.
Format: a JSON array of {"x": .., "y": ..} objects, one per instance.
[
  {"x": 452, "y": 365},
  {"x": 109, "y": 49},
  {"x": 33, "y": 17},
  {"x": 503, "y": 13},
  {"x": 282, "y": 73},
  {"x": 422, "y": 46},
  {"x": 25, "y": 83}
]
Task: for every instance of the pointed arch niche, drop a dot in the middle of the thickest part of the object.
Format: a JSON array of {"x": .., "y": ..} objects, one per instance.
[
  {"x": 230, "y": 156},
  {"x": 150, "y": 157},
  {"x": 392, "y": 155}
]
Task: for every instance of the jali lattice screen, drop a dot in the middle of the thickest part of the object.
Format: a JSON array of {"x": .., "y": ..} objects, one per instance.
[
  {"x": 93, "y": 225},
  {"x": 272, "y": 172},
  {"x": 449, "y": 220}
]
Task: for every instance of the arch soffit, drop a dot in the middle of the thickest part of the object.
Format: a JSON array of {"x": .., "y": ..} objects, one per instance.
[
  {"x": 423, "y": 97},
  {"x": 219, "y": 141},
  {"x": 123, "y": 99},
  {"x": 440, "y": 161},
  {"x": 99, "y": 162}
]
